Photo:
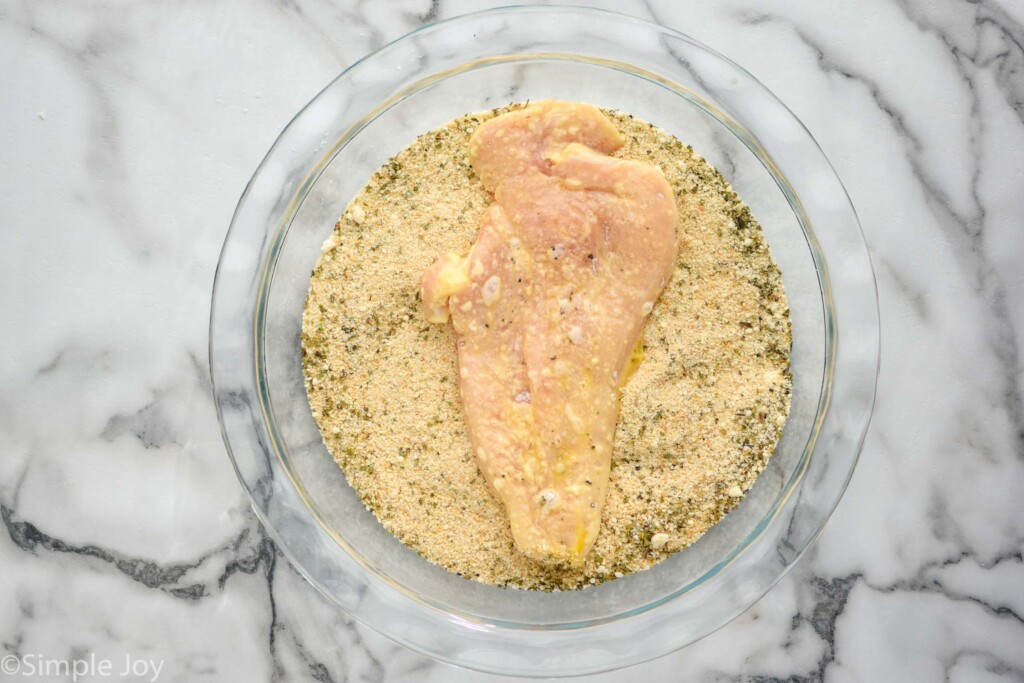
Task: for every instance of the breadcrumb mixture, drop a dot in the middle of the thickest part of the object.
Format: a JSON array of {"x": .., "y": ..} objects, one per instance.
[{"x": 699, "y": 418}]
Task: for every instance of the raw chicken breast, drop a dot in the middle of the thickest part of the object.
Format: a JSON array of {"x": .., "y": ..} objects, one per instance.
[{"x": 548, "y": 307}]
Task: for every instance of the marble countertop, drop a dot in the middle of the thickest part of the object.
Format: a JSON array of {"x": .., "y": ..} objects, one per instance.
[{"x": 129, "y": 130}]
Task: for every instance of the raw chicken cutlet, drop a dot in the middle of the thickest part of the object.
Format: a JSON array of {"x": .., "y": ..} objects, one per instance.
[{"x": 547, "y": 308}]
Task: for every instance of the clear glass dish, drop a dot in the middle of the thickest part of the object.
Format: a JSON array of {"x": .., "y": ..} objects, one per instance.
[{"x": 325, "y": 155}]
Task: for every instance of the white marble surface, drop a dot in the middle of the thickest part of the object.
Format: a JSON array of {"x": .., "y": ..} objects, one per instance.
[{"x": 129, "y": 130}]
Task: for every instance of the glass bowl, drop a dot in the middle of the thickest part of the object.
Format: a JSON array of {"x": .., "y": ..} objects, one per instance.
[{"x": 373, "y": 110}]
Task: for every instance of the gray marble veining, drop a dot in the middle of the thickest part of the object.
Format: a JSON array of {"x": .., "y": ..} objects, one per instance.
[{"x": 130, "y": 130}]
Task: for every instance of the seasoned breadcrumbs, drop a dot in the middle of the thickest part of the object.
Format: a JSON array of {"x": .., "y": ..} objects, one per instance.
[{"x": 699, "y": 418}]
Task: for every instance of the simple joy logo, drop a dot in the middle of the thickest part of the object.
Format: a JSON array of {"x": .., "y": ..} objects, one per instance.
[{"x": 32, "y": 665}]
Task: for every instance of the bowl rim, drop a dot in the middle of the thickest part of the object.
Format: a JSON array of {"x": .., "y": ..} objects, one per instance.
[{"x": 459, "y": 622}]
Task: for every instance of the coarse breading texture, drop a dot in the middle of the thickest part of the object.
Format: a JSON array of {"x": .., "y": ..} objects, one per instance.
[{"x": 698, "y": 421}]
